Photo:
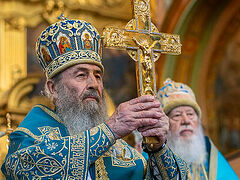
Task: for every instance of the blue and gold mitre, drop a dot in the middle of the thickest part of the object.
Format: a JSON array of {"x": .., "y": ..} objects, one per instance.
[
  {"x": 174, "y": 94},
  {"x": 66, "y": 43}
]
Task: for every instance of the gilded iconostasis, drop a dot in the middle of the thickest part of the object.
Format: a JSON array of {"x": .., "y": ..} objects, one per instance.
[{"x": 210, "y": 61}]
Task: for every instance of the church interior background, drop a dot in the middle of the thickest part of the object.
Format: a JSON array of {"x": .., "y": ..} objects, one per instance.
[{"x": 210, "y": 61}]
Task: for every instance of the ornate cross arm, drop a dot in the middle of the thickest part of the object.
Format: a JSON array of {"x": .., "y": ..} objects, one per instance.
[{"x": 124, "y": 39}]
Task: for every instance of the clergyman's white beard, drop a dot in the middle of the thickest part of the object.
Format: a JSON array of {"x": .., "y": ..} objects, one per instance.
[
  {"x": 191, "y": 150},
  {"x": 79, "y": 116}
]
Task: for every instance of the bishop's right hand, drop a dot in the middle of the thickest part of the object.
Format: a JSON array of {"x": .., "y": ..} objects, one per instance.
[{"x": 144, "y": 111}]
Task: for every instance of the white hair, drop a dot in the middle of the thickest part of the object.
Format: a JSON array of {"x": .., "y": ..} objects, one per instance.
[{"x": 192, "y": 150}]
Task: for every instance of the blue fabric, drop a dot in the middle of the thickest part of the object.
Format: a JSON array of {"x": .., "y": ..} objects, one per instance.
[
  {"x": 145, "y": 155},
  {"x": 41, "y": 148},
  {"x": 224, "y": 170},
  {"x": 221, "y": 166}
]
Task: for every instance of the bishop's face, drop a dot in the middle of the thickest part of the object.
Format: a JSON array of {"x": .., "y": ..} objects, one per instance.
[
  {"x": 183, "y": 122},
  {"x": 85, "y": 80}
]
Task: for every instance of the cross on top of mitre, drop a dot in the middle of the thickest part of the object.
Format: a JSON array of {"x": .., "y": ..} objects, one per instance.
[{"x": 62, "y": 17}]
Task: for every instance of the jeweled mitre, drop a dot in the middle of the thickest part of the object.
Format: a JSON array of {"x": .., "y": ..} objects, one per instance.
[{"x": 66, "y": 43}]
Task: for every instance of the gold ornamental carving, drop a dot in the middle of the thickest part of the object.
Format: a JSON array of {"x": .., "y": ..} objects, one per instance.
[
  {"x": 52, "y": 10},
  {"x": 144, "y": 44}
]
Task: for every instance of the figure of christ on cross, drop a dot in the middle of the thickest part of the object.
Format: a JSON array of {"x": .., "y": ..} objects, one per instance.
[{"x": 147, "y": 61}]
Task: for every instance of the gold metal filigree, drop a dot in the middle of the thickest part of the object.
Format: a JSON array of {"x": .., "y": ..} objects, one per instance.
[{"x": 144, "y": 44}]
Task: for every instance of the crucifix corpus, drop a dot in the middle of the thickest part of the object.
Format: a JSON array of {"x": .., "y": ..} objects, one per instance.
[{"x": 144, "y": 44}]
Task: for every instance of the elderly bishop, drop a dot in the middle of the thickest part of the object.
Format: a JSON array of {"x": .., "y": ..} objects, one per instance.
[{"x": 77, "y": 140}]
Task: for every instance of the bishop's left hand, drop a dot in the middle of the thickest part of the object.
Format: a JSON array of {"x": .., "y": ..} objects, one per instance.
[{"x": 159, "y": 130}]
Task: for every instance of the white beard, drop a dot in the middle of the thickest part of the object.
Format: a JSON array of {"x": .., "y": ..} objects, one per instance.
[
  {"x": 191, "y": 150},
  {"x": 79, "y": 116}
]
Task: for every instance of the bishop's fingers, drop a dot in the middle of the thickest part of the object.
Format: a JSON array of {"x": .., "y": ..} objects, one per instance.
[
  {"x": 147, "y": 114},
  {"x": 146, "y": 122},
  {"x": 142, "y": 99},
  {"x": 159, "y": 124},
  {"x": 145, "y": 106},
  {"x": 159, "y": 132}
]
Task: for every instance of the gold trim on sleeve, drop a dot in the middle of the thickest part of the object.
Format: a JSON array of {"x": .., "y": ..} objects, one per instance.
[{"x": 108, "y": 133}]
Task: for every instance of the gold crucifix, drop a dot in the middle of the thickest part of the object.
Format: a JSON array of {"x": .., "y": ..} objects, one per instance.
[{"x": 144, "y": 44}]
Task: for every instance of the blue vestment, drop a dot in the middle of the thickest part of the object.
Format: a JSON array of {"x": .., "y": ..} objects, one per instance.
[
  {"x": 215, "y": 165},
  {"x": 218, "y": 167},
  {"x": 42, "y": 148}
]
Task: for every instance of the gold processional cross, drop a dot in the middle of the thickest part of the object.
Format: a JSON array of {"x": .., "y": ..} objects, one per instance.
[{"x": 144, "y": 44}]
